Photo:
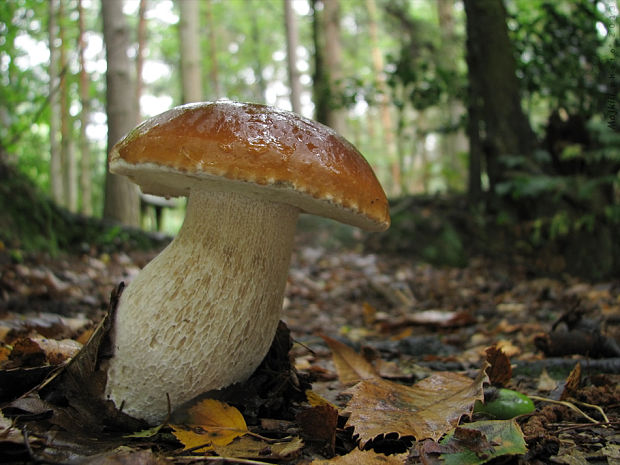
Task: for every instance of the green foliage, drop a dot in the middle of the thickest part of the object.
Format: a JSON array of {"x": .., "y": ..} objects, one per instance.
[{"x": 561, "y": 52}]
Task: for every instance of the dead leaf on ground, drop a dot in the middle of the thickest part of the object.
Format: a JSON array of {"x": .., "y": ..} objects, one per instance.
[
  {"x": 210, "y": 423},
  {"x": 247, "y": 447},
  {"x": 427, "y": 409},
  {"x": 351, "y": 366},
  {"x": 499, "y": 370},
  {"x": 366, "y": 457},
  {"x": 477, "y": 443}
]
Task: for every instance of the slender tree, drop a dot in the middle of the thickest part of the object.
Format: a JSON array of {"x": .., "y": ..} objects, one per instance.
[
  {"x": 67, "y": 148},
  {"x": 213, "y": 63},
  {"x": 496, "y": 117},
  {"x": 292, "y": 40},
  {"x": 387, "y": 130},
  {"x": 85, "y": 168},
  {"x": 333, "y": 63},
  {"x": 121, "y": 195},
  {"x": 55, "y": 160},
  {"x": 140, "y": 56},
  {"x": 191, "y": 74}
]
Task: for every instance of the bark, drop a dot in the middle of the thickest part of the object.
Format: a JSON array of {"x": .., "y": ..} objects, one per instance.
[
  {"x": 67, "y": 153},
  {"x": 387, "y": 127},
  {"x": 85, "y": 169},
  {"x": 292, "y": 40},
  {"x": 55, "y": 161},
  {"x": 502, "y": 126},
  {"x": 257, "y": 62},
  {"x": 213, "y": 68},
  {"x": 191, "y": 72},
  {"x": 320, "y": 82},
  {"x": 121, "y": 195},
  {"x": 140, "y": 56},
  {"x": 333, "y": 62},
  {"x": 451, "y": 139}
]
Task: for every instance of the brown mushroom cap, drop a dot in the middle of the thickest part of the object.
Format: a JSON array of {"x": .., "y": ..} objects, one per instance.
[{"x": 257, "y": 150}]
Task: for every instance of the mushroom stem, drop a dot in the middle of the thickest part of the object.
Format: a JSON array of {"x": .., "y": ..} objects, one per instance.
[{"x": 203, "y": 313}]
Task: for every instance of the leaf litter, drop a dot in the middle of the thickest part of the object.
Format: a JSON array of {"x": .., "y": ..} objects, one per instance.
[{"x": 409, "y": 324}]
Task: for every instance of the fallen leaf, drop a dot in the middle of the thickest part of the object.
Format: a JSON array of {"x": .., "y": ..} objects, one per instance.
[
  {"x": 427, "y": 409},
  {"x": 316, "y": 400},
  {"x": 479, "y": 442},
  {"x": 351, "y": 366},
  {"x": 247, "y": 447},
  {"x": 9, "y": 433},
  {"x": 499, "y": 370},
  {"x": 319, "y": 424},
  {"x": 210, "y": 423},
  {"x": 363, "y": 457}
]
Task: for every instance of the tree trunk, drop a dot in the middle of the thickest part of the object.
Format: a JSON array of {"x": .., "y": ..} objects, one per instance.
[
  {"x": 502, "y": 126},
  {"x": 191, "y": 72},
  {"x": 292, "y": 40},
  {"x": 85, "y": 169},
  {"x": 333, "y": 63},
  {"x": 449, "y": 51},
  {"x": 257, "y": 62},
  {"x": 121, "y": 195},
  {"x": 320, "y": 81},
  {"x": 140, "y": 56},
  {"x": 387, "y": 129},
  {"x": 55, "y": 161},
  {"x": 214, "y": 75},
  {"x": 67, "y": 153}
]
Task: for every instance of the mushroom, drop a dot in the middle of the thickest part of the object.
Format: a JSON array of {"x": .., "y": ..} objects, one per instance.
[{"x": 203, "y": 313}]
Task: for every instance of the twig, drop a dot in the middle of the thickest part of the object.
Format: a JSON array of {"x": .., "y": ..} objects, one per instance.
[
  {"x": 566, "y": 404},
  {"x": 222, "y": 460}
]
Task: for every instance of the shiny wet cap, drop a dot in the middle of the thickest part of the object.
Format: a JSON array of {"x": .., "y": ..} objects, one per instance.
[{"x": 257, "y": 150}]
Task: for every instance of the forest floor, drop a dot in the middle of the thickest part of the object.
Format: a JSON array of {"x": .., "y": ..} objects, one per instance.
[{"x": 405, "y": 321}]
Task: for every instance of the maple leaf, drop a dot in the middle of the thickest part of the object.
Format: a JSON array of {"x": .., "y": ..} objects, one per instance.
[
  {"x": 210, "y": 423},
  {"x": 427, "y": 409}
]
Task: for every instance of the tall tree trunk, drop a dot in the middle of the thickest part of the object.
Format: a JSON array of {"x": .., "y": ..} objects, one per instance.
[
  {"x": 257, "y": 62},
  {"x": 55, "y": 161},
  {"x": 213, "y": 67},
  {"x": 387, "y": 129},
  {"x": 67, "y": 154},
  {"x": 494, "y": 87},
  {"x": 121, "y": 195},
  {"x": 333, "y": 63},
  {"x": 140, "y": 56},
  {"x": 292, "y": 40},
  {"x": 320, "y": 79},
  {"x": 191, "y": 72},
  {"x": 453, "y": 110},
  {"x": 85, "y": 170}
]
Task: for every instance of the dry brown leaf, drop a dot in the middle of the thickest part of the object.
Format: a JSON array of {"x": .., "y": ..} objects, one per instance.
[
  {"x": 210, "y": 423},
  {"x": 427, "y": 409},
  {"x": 351, "y": 366},
  {"x": 364, "y": 457},
  {"x": 499, "y": 370},
  {"x": 319, "y": 424},
  {"x": 247, "y": 447}
]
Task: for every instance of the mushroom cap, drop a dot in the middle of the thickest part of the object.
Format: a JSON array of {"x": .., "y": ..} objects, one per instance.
[{"x": 257, "y": 150}]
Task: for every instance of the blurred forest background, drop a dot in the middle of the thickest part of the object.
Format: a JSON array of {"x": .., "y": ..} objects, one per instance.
[{"x": 492, "y": 124}]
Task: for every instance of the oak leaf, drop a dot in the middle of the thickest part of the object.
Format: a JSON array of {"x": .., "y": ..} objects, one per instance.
[{"x": 210, "y": 423}]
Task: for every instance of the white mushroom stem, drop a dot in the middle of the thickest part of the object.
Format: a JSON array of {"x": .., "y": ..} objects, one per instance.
[{"x": 203, "y": 313}]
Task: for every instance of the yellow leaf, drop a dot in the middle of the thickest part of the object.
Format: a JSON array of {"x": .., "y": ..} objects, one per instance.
[
  {"x": 351, "y": 366},
  {"x": 316, "y": 400},
  {"x": 211, "y": 423}
]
